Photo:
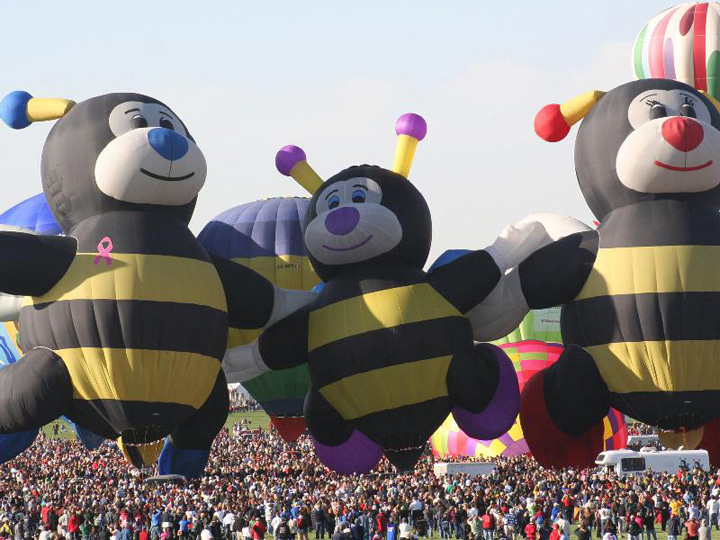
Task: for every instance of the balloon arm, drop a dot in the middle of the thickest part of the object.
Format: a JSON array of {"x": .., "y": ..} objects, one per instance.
[
  {"x": 32, "y": 264},
  {"x": 243, "y": 363},
  {"x": 544, "y": 260},
  {"x": 10, "y": 306},
  {"x": 250, "y": 297},
  {"x": 517, "y": 242},
  {"x": 284, "y": 345},
  {"x": 286, "y": 301},
  {"x": 281, "y": 346},
  {"x": 501, "y": 311},
  {"x": 556, "y": 273},
  {"x": 467, "y": 280}
]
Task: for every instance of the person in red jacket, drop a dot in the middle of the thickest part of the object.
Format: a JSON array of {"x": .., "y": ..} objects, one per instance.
[
  {"x": 73, "y": 525},
  {"x": 531, "y": 531},
  {"x": 693, "y": 526},
  {"x": 381, "y": 522},
  {"x": 555, "y": 533},
  {"x": 258, "y": 529},
  {"x": 488, "y": 525}
]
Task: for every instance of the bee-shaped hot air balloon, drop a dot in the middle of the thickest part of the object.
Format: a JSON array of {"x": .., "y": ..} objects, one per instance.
[
  {"x": 641, "y": 294},
  {"x": 126, "y": 319},
  {"x": 389, "y": 349}
]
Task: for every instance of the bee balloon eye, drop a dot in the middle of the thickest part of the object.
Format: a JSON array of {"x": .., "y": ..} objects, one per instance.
[
  {"x": 166, "y": 123},
  {"x": 358, "y": 196},
  {"x": 333, "y": 202},
  {"x": 687, "y": 110},
  {"x": 657, "y": 111},
  {"x": 139, "y": 121}
]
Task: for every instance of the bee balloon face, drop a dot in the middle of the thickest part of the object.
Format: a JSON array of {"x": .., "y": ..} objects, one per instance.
[
  {"x": 121, "y": 152},
  {"x": 364, "y": 214},
  {"x": 673, "y": 148},
  {"x": 152, "y": 159},
  {"x": 351, "y": 223},
  {"x": 647, "y": 139}
]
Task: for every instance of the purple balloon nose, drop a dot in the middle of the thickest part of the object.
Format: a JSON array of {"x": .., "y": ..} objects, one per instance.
[{"x": 342, "y": 221}]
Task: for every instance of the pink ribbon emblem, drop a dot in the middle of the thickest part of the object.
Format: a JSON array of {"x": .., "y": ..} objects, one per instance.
[{"x": 104, "y": 248}]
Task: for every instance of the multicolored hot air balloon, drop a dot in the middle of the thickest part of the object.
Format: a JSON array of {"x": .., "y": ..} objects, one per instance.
[
  {"x": 682, "y": 43},
  {"x": 266, "y": 236},
  {"x": 528, "y": 356}
]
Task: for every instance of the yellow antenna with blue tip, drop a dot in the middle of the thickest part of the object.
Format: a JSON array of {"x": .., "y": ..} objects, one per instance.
[{"x": 19, "y": 109}]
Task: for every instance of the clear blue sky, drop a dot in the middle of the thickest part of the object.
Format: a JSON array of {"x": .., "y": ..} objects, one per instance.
[{"x": 332, "y": 77}]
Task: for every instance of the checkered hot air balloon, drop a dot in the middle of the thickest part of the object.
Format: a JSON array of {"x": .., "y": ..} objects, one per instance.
[{"x": 682, "y": 43}]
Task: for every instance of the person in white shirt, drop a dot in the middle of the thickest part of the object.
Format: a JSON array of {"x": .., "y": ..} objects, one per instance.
[
  {"x": 713, "y": 508},
  {"x": 404, "y": 529},
  {"x": 564, "y": 526},
  {"x": 206, "y": 534},
  {"x": 228, "y": 522},
  {"x": 45, "y": 534}
]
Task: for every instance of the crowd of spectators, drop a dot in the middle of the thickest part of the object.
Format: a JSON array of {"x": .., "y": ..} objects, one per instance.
[{"x": 256, "y": 486}]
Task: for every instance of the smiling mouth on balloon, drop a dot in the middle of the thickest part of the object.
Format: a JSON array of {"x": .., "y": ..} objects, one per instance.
[
  {"x": 351, "y": 247},
  {"x": 166, "y": 178},
  {"x": 682, "y": 169}
]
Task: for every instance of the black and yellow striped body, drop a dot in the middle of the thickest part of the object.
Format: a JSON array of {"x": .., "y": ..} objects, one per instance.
[
  {"x": 381, "y": 341},
  {"x": 649, "y": 313},
  {"x": 143, "y": 338}
]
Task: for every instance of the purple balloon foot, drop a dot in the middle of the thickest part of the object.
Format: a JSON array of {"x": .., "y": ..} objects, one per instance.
[
  {"x": 357, "y": 455},
  {"x": 502, "y": 410}
]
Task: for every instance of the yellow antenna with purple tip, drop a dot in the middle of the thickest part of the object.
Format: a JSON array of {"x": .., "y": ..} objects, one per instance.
[
  {"x": 292, "y": 161},
  {"x": 410, "y": 128}
]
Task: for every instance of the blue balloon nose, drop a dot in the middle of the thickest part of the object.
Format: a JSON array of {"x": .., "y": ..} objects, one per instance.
[{"x": 169, "y": 144}]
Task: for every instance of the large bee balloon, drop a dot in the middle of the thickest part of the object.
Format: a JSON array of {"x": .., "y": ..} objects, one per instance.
[
  {"x": 126, "y": 317},
  {"x": 641, "y": 295},
  {"x": 389, "y": 349}
]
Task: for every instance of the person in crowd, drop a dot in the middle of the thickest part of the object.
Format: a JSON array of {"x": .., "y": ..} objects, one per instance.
[
  {"x": 692, "y": 526},
  {"x": 59, "y": 490},
  {"x": 704, "y": 530}
]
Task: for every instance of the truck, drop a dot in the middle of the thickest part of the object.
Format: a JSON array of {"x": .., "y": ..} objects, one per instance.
[{"x": 630, "y": 462}]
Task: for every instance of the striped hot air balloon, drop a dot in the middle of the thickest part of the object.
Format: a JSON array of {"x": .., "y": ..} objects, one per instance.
[
  {"x": 682, "y": 43},
  {"x": 266, "y": 236}
]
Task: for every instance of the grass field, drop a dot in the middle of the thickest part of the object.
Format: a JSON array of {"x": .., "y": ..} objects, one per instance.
[{"x": 256, "y": 419}]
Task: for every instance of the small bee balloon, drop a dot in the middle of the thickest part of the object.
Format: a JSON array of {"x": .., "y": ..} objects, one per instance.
[{"x": 389, "y": 348}]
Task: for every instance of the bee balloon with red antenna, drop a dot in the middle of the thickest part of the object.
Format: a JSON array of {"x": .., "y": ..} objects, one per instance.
[
  {"x": 641, "y": 294},
  {"x": 390, "y": 349}
]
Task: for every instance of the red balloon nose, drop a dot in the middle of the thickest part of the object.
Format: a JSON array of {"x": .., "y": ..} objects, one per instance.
[{"x": 683, "y": 133}]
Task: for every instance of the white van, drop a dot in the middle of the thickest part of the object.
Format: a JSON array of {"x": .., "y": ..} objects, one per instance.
[{"x": 629, "y": 462}]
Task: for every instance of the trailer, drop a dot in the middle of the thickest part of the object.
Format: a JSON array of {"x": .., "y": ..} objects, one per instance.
[{"x": 629, "y": 462}]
